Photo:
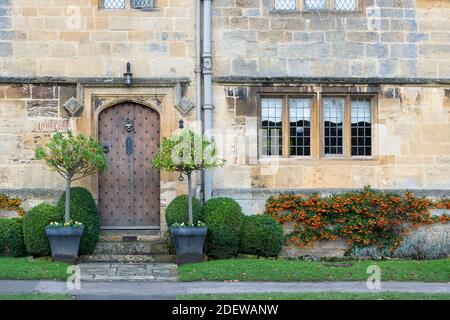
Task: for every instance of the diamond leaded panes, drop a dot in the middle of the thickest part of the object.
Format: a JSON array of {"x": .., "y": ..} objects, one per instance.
[
  {"x": 113, "y": 4},
  {"x": 345, "y": 5},
  {"x": 143, "y": 4},
  {"x": 285, "y": 4},
  {"x": 315, "y": 4}
]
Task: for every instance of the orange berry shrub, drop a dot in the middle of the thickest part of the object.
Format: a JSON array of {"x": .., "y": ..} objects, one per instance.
[
  {"x": 11, "y": 204},
  {"x": 365, "y": 218}
]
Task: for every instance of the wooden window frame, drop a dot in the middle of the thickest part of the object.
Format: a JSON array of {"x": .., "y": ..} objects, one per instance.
[
  {"x": 347, "y": 127},
  {"x": 317, "y": 124},
  {"x": 285, "y": 125},
  {"x": 299, "y": 6}
]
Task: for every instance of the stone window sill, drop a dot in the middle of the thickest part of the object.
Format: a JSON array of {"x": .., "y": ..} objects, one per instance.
[
  {"x": 146, "y": 9},
  {"x": 314, "y": 12}
]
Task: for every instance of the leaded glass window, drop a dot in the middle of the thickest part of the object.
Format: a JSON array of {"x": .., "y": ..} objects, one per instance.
[
  {"x": 315, "y": 4},
  {"x": 271, "y": 126},
  {"x": 345, "y": 5},
  {"x": 143, "y": 4},
  {"x": 333, "y": 125},
  {"x": 300, "y": 126},
  {"x": 361, "y": 118},
  {"x": 113, "y": 4},
  {"x": 285, "y": 4}
]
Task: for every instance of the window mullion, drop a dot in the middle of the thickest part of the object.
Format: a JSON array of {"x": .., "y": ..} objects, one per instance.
[
  {"x": 347, "y": 128},
  {"x": 330, "y": 5},
  {"x": 286, "y": 127}
]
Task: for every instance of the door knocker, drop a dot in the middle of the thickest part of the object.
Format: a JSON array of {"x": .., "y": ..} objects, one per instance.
[{"x": 129, "y": 125}]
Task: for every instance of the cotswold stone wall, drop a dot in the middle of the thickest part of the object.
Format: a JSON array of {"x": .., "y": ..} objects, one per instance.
[
  {"x": 29, "y": 114},
  {"x": 401, "y": 47},
  {"x": 74, "y": 38},
  {"x": 387, "y": 39},
  {"x": 49, "y": 48},
  {"x": 412, "y": 146}
]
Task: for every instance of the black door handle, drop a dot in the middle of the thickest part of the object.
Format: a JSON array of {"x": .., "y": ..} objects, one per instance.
[{"x": 105, "y": 149}]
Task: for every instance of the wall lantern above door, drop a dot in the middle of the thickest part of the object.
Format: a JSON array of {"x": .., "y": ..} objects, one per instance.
[{"x": 128, "y": 76}]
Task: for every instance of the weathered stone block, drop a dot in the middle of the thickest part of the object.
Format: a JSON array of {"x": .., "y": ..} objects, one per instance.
[
  {"x": 377, "y": 50},
  {"x": 404, "y": 51},
  {"x": 44, "y": 92},
  {"x": 42, "y": 108},
  {"x": 18, "y": 91},
  {"x": 6, "y": 49},
  {"x": 244, "y": 67}
]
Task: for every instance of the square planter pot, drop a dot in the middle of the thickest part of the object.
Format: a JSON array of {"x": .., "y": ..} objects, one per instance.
[
  {"x": 64, "y": 242},
  {"x": 189, "y": 244}
]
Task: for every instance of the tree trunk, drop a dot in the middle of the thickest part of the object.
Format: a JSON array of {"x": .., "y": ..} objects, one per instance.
[
  {"x": 191, "y": 215},
  {"x": 67, "y": 213}
]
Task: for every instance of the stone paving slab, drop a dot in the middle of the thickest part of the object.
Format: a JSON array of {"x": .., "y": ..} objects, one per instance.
[{"x": 128, "y": 271}]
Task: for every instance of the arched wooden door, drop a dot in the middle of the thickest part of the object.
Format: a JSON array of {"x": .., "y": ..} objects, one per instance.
[{"x": 129, "y": 190}]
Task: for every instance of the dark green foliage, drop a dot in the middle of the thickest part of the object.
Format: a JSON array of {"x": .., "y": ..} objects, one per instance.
[
  {"x": 262, "y": 236},
  {"x": 83, "y": 209},
  {"x": 11, "y": 238},
  {"x": 34, "y": 223},
  {"x": 224, "y": 219},
  {"x": 178, "y": 211}
]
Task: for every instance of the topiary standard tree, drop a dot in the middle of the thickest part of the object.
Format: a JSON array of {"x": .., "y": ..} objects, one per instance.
[
  {"x": 73, "y": 157},
  {"x": 185, "y": 153}
]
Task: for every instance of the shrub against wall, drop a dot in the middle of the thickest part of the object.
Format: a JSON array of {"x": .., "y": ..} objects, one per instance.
[
  {"x": 83, "y": 209},
  {"x": 178, "y": 210},
  {"x": 34, "y": 223},
  {"x": 262, "y": 236},
  {"x": 11, "y": 238},
  {"x": 365, "y": 218},
  {"x": 224, "y": 218},
  {"x": 424, "y": 246}
]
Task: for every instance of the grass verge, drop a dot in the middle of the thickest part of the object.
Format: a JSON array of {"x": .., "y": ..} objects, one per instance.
[
  {"x": 35, "y": 296},
  {"x": 299, "y": 270},
  {"x": 32, "y": 269},
  {"x": 318, "y": 296}
]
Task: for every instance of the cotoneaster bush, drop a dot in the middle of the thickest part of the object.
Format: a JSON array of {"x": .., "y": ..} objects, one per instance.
[{"x": 365, "y": 218}]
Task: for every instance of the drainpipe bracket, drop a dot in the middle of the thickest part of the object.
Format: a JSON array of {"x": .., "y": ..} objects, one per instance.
[{"x": 208, "y": 106}]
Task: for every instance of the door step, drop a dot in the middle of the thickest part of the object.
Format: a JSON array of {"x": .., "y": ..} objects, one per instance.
[
  {"x": 130, "y": 235},
  {"x": 133, "y": 258},
  {"x": 131, "y": 247},
  {"x": 154, "y": 247}
]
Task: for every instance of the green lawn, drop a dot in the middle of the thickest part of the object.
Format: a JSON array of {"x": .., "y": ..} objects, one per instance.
[
  {"x": 318, "y": 296},
  {"x": 35, "y": 296},
  {"x": 298, "y": 270},
  {"x": 32, "y": 269}
]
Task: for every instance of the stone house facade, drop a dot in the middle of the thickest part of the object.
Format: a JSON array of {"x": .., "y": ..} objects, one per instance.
[{"x": 307, "y": 95}]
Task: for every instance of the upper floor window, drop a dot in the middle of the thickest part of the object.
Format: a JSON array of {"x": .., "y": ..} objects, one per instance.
[
  {"x": 122, "y": 4},
  {"x": 113, "y": 4},
  {"x": 317, "y": 5}
]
